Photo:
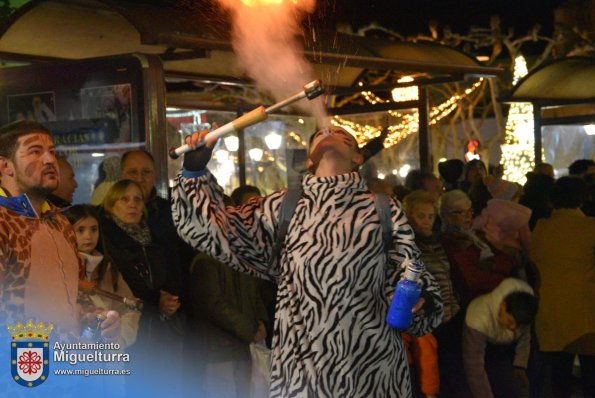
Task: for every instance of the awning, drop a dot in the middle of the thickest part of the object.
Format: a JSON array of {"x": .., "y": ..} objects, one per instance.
[
  {"x": 193, "y": 39},
  {"x": 562, "y": 92},
  {"x": 565, "y": 81},
  {"x": 563, "y": 89}
]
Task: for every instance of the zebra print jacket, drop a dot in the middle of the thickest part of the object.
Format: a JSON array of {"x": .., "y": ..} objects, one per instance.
[{"x": 330, "y": 337}]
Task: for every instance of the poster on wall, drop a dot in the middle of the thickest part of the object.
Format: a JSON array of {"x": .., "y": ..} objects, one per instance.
[
  {"x": 38, "y": 107},
  {"x": 112, "y": 104}
]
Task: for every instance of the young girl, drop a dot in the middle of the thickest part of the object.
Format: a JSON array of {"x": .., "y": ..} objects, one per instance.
[{"x": 99, "y": 270}]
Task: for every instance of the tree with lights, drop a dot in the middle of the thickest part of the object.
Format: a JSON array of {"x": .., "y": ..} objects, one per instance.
[{"x": 517, "y": 150}]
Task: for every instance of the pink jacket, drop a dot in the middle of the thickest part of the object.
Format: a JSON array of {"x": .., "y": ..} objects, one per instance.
[{"x": 505, "y": 223}]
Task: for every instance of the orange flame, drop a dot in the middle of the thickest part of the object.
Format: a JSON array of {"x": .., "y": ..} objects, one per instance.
[
  {"x": 265, "y": 36},
  {"x": 255, "y": 3}
]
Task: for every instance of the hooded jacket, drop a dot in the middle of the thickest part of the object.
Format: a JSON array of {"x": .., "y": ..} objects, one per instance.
[
  {"x": 39, "y": 265},
  {"x": 482, "y": 327}
]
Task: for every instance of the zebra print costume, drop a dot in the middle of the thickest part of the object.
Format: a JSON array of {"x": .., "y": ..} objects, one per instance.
[{"x": 331, "y": 338}]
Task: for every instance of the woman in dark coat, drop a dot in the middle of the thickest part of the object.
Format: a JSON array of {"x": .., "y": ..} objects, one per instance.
[{"x": 140, "y": 260}]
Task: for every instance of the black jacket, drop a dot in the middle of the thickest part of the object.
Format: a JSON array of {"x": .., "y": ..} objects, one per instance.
[
  {"x": 145, "y": 270},
  {"x": 178, "y": 254},
  {"x": 143, "y": 266}
]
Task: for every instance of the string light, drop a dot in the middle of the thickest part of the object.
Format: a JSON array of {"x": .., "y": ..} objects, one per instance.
[
  {"x": 402, "y": 94},
  {"x": 517, "y": 150},
  {"x": 408, "y": 122},
  {"x": 297, "y": 138},
  {"x": 373, "y": 98}
]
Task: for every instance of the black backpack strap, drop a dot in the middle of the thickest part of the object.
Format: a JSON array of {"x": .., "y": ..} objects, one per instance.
[
  {"x": 288, "y": 206},
  {"x": 382, "y": 204}
]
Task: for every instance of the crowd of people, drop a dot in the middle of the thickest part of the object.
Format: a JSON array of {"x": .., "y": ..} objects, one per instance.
[
  {"x": 506, "y": 308},
  {"x": 486, "y": 241}
]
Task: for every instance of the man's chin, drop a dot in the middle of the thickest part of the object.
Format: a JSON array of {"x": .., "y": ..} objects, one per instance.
[
  {"x": 51, "y": 185},
  {"x": 44, "y": 191},
  {"x": 326, "y": 152}
]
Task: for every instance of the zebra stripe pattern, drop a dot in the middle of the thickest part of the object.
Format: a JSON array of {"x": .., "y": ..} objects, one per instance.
[{"x": 330, "y": 338}]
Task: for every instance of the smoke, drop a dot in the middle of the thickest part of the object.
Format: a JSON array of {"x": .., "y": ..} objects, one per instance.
[{"x": 266, "y": 41}]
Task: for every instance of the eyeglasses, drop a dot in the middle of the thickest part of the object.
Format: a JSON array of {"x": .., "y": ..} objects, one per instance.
[
  {"x": 136, "y": 173},
  {"x": 462, "y": 212}
]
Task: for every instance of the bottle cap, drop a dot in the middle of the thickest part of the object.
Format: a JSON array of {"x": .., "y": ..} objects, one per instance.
[{"x": 413, "y": 270}]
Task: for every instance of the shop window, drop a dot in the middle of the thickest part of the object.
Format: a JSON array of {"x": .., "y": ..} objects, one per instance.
[
  {"x": 93, "y": 108},
  {"x": 275, "y": 149}
]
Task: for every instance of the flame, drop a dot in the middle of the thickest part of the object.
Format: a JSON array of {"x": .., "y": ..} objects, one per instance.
[
  {"x": 256, "y": 3},
  {"x": 265, "y": 38}
]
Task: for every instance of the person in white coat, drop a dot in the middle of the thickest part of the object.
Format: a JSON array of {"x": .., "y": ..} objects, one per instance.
[{"x": 497, "y": 340}]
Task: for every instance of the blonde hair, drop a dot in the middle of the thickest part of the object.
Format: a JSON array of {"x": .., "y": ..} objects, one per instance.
[
  {"x": 450, "y": 199},
  {"x": 116, "y": 192},
  {"x": 416, "y": 198}
]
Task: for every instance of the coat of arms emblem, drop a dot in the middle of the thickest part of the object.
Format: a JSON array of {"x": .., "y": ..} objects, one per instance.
[{"x": 30, "y": 353}]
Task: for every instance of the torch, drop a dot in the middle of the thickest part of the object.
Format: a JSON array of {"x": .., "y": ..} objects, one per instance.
[
  {"x": 91, "y": 288},
  {"x": 310, "y": 91}
]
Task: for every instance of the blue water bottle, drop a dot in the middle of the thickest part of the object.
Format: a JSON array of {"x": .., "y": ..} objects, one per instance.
[
  {"x": 92, "y": 332},
  {"x": 406, "y": 296}
]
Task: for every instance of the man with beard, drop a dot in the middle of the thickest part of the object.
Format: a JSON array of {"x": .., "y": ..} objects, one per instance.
[
  {"x": 330, "y": 338},
  {"x": 39, "y": 265}
]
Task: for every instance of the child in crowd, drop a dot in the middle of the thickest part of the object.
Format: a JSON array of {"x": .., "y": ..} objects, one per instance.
[
  {"x": 99, "y": 270},
  {"x": 497, "y": 340}
]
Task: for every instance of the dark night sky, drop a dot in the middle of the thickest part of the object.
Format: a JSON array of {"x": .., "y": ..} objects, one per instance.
[{"x": 410, "y": 17}]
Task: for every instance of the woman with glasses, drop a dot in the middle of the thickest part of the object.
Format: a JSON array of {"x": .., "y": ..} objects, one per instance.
[{"x": 477, "y": 267}]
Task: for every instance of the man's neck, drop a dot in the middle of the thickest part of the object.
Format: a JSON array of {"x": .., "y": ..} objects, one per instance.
[
  {"x": 35, "y": 199},
  {"x": 328, "y": 169},
  {"x": 329, "y": 173},
  {"x": 36, "y": 203},
  {"x": 152, "y": 195}
]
